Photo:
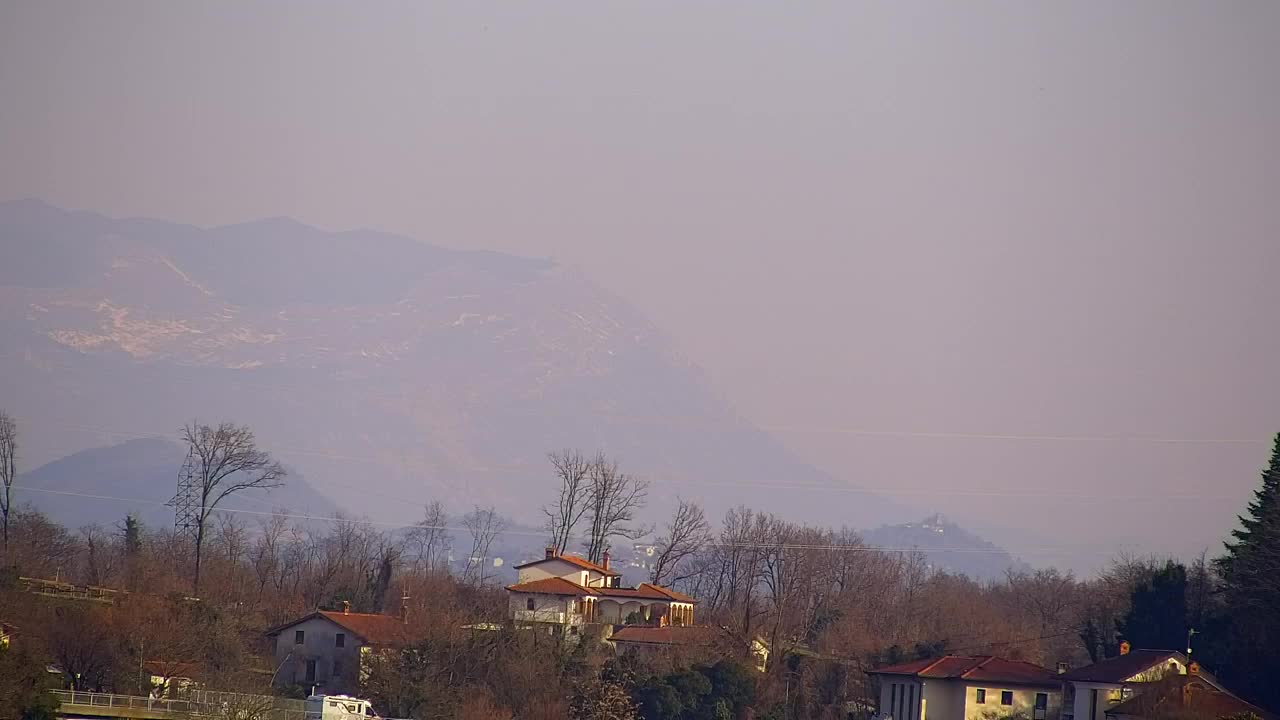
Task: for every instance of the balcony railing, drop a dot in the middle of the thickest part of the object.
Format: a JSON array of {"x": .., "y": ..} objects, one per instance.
[{"x": 544, "y": 616}]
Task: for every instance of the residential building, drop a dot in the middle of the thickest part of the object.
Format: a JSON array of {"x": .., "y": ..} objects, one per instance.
[
  {"x": 569, "y": 592},
  {"x": 328, "y": 650},
  {"x": 954, "y": 687},
  {"x": 1093, "y": 690},
  {"x": 686, "y": 643},
  {"x": 1190, "y": 696}
]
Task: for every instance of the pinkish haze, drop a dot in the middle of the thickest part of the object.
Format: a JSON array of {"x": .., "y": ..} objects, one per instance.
[{"x": 947, "y": 251}]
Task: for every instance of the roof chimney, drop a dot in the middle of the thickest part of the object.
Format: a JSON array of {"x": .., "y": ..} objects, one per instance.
[
  {"x": 606, "y": 559},
  {"x": 1124, "y": 647},
  {"x": 551, "y": 552},
  {"x": 346, "y": 607}
]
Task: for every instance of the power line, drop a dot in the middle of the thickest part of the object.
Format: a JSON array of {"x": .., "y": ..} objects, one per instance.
[
  {"x": 884, "y": 491},
  {"x": 531, "y": 533}
]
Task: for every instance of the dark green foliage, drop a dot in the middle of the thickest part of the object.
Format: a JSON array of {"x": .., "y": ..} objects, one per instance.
[
  {"x": 1157, "y": 616},
  {"x": 24, "y": 686},
  {"x": 132, "y": 536},
  {"x": 702, "y": 692},
  {"x": 1249, "y": 570}
]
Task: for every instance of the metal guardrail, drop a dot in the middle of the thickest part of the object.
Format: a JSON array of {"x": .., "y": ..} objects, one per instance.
[{"x": 196, "y": 703}]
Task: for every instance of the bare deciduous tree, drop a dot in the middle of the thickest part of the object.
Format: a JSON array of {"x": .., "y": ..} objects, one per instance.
[
  {"x": 687, "y": 533},
  {"x": 429, "y": 540},
  {"x": 8, "y": 470},
  {"x": 228, "y": 461},
  {"x": 483, "y": 524},
  {"x": 573, "y": 471},
  {"x": 613, "y": 498}
]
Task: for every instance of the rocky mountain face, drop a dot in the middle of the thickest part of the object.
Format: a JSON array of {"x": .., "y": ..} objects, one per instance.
[{"x": 385, "y": 370}]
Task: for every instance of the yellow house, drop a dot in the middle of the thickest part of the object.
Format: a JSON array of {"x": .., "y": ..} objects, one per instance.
[{"x": 954, "y": 687}]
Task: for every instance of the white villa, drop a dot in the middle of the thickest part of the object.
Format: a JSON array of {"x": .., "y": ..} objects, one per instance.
[{"x": 568, "y": 591}]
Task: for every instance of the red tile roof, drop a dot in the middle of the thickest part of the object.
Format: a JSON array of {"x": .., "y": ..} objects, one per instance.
[
  {"x": 550, "y": 586},
  {"x": 561, "y": 586},
  {"x": 373, "y": 628},
  {"x": 1122, "y": 667},
  {"x": 670, "y": 635},
  {"x": 572, "y": 560},
  {"x": 376, "y": 628},
  {"x": 980, "y": 668},
  {"x": 1195, "y": 695}
]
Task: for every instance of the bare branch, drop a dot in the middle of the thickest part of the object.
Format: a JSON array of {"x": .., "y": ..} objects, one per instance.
[
  {"x": 572, "y": 470},
  {"x": 613, "y": 499},
  {"x": 228, "y": 462},
  {"x": 687, "y": 533},
  {"x": 8, "y": 470}
]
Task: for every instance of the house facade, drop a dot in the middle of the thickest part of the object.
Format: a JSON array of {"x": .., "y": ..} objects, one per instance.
[
  {"x": 570, "y": 592},
  {"x": 1094, "y": 690},
  {"x": 327, "y": 650},
  {"x": 955, "y": 687}
]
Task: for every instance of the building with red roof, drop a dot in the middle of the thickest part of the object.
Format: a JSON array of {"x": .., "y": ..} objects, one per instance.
[
  {"x": 326, "y": 649},
  {"x": 569, "y": 592},
  {"x": 1191, "y": 696},
  {"x": 961, "y": 687},
  {"x": 1094, "y": 691}
]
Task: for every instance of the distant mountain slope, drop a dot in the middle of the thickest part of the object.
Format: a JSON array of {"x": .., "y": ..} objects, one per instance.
[
  {"x": 947, "y": 547},
  {"x": 102, "y": 485},
  {"x": 386, "y": 370}
]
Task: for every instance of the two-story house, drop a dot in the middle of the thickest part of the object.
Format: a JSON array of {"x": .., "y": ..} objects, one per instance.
[
  {"x": 1093, "y": 690},
  {"x": 954, "y": 687},
  {"x": 328, "y": 650},
  {"x": 568, "y": 591}
]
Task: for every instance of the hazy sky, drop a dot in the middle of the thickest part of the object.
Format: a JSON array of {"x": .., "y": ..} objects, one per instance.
[{"x": 1022, "y": 218}]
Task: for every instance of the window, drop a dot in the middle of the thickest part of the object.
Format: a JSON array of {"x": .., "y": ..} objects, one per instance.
[
  {"x": 981, "y": 696},
  {"x": 299, "y": 637},
  {"x": 528, "y": 604},
  {"x": 1006, "y": 697},
  {"x": 340, "y": 640},
  {"x": 1042, "y": 706}
]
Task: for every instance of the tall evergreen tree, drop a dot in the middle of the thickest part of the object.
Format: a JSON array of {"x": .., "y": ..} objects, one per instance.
[
  {"x": 1252, "y": 562},
  {"x": 1157, "y": 616},
  {"x": 1251, "y": 586}
]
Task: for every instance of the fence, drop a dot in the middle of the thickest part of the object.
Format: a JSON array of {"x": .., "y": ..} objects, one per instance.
[{"x": 203, "y": 703}]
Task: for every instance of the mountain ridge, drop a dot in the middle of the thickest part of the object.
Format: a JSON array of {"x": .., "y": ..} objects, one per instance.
[{"x": 377, "y": 365}]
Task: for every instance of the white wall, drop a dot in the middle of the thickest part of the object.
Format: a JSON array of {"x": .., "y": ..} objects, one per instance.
[
  {"x": 561, "y": 569},
  {"x": 319, "y": 644},
  {"x": 541, "y": 603},
  {"x": 955, "y": 700},
  {"x": 910, "y": 693}
]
